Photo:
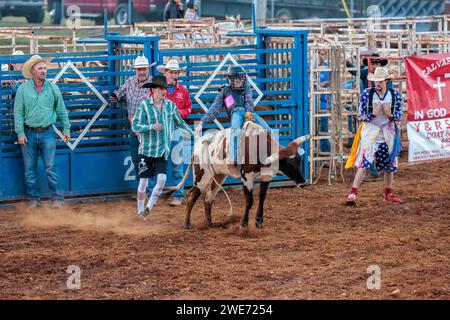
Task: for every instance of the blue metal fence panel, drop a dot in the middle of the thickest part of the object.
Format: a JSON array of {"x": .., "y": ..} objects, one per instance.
[
  {"x": 101, "y": 162},
  {"x": 100, "y": 154}
]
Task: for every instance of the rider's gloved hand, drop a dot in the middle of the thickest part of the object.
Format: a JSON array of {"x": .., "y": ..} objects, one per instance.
[{"x": 249, "y": 116}]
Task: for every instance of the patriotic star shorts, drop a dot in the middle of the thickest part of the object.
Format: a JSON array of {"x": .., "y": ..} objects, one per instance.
[{"x": 381, "y": 160}]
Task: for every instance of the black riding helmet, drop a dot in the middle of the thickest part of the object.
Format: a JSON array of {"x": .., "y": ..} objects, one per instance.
[{"x": 236, "y": 72}]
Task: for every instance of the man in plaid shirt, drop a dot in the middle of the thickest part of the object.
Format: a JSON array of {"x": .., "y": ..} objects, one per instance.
[
  {"x": 155, "y": 121},
  {"x": 134, "y": 92}
]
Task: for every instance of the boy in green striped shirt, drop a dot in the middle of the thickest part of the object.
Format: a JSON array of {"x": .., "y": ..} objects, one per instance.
[{"x": 155, "y": 121}]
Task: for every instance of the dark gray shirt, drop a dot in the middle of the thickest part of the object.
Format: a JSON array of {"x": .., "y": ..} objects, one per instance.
[{"x": 171, "y": 11}]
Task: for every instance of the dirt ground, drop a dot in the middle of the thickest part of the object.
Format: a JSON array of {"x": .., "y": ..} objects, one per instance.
[{"x": 312, "y": 246}]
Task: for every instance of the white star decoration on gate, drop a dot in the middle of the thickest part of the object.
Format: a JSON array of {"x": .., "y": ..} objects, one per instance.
[
  {"x": 227, "y": 58},
  {"x": 68, "y": 65}
]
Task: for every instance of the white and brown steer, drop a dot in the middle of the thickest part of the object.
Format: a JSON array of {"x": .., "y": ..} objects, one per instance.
[{"x": 261, "y": 157}]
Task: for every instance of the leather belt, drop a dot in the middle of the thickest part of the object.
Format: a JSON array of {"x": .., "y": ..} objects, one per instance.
[{"x": 38, "y": 129}]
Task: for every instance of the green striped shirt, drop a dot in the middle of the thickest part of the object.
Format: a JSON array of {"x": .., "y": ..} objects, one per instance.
[
  {"x": 154, "y": 143},
  {"x": 39, "y": 109}
]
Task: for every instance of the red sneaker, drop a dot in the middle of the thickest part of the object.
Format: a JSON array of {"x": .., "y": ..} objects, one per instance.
[
  {"x": 351, "y": 199},
  {"x": 391, "y": 197}
]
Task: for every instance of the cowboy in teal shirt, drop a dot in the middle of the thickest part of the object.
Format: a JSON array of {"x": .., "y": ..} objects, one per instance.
[
  {"x": 38, "y": 104},
  {"x": 39, "y": 109}
]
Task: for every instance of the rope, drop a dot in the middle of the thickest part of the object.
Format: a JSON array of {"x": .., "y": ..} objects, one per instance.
[
  {"x": 211, "y": 169},
  {"x": 320, "y": 171}
]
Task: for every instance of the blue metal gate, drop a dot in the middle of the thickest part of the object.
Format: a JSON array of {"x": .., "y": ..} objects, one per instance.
[{"x": 100, "y": 163}]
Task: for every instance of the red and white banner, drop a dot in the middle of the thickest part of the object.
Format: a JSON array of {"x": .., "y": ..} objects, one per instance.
[{"x": 428, "y": 87}]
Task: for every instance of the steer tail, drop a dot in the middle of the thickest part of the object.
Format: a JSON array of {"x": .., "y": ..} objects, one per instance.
[{"x": 171, "y": 190}]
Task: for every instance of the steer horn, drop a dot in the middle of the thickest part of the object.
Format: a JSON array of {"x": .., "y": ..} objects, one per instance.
[
  {"x": 274, "y": 157},
  {"x": 301, "y": 139}
]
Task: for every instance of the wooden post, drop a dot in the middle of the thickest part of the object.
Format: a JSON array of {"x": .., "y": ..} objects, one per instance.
[
  {"x": 260, "y": 12},
  {"x": 13, "y": 41},
  {"x": 74, "y": 39}
]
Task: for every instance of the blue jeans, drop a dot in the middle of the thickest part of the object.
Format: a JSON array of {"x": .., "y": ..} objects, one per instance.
[
  {"x": 352, "y": 126},
  {"x": 324, "y": 143},
  {"x": 45, "y": 143},
  {"x": 134, "y": 148},
  {"x": 175, "y": 171},
  {"x": 237, "y": 119},
  {"x": 373, "y": 170}
]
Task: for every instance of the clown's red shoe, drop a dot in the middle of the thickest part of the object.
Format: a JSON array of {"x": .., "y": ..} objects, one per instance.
[
  {"x": 391, "y": 197},
  {"x": 351, "y": 199}
]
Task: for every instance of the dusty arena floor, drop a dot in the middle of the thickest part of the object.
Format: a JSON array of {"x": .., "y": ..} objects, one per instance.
[{"x": 312, "y": 246}]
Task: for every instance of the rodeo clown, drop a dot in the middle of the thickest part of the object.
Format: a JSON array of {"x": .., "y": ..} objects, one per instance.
[
  {"x": 154, "y": 122},
  {"x": 236, "y": 99},
  {"x": 377, "y": 139}
]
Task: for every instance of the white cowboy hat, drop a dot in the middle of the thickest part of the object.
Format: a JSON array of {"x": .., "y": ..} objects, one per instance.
[
  {"x": 30, "y": 63},
  {"x": 141, "y": 62},
  {"x": 172, "y": 64},
  {"x": 364, "y": 51},
  {"x": 18, "y": 53},
  {"x": 15, "y": 53},
  {"x": 380, "y": 74}
]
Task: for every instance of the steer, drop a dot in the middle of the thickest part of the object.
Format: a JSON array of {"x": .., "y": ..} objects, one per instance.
[{"x": 260, "y": 159}]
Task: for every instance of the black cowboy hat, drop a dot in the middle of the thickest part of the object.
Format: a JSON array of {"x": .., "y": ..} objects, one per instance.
[
  {"x": 375, "y": 58},
  {"x": 156, "y": 82}
]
